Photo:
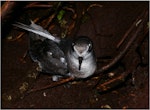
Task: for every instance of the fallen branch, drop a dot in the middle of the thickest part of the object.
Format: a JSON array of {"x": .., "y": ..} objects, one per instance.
[
  {"x": 9, "y": 12},
  {"x": 113, "y": 82},
  {"x": 7, "y": 9},
  {"x": 94, "y": 5},
  {"x": 54, "y": 84},
  {"x": 131, "y": 67},
  {"x": 130, "y": 42},
  {"x": 136, "y": 22},
  {"x": 51, "y": 17},
  {"x": 37, "y": 5}
]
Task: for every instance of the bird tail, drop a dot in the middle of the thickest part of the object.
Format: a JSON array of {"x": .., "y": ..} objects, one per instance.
[{"x": 36, "y": 29}]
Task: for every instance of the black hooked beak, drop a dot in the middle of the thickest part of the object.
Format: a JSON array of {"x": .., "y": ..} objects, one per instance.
[{"x": 80, "y": 61}]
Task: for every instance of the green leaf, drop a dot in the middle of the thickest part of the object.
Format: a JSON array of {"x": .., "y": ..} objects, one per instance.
[{"x": 60, "y": 15}]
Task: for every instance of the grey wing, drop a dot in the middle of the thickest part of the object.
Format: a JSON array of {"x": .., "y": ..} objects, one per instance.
[
  {"x": 44, "y": 50},
  {"x": 49, "y": 56}
]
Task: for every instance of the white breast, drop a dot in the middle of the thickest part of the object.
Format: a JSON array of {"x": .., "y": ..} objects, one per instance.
[{"x": 88, "y": 66}]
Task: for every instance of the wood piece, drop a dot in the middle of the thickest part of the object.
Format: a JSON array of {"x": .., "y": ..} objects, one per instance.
[
  {"x": 54, "y": 84},
  {"x": 128, "y": 45}
]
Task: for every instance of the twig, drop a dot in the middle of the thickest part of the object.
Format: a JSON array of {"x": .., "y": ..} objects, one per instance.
[
  {"x": 113, "y": 82},
  {"x": 36, "y": 5},
  {"x": 131, "y": 67},
  {"x": 123, "y": 52},
  {"x": 18, "y": 37},
  {"x": 50, "y": 18},
  {"x": 22, "y": 33},
  {"x": 54, "y": 84},
  {"x": 93, "y": 5},
  {"x": 71, "y": 27},
  {"x": 121, "y": 78},
  {"x": 9, "y": 12},
  {"x": 136, "y": 22},
  {"x": 7, "y": 9},
  {"x": 87, "y": 11},
  {"x": 78, "y": 22},
  {"x": 23, "y": 57},
  {"x": 69, "y": 9}
]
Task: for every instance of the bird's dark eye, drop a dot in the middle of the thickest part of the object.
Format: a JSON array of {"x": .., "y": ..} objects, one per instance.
[{"x": 90, "y": 48}]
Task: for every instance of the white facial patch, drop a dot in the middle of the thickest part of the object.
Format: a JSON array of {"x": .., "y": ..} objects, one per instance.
[{"x": 81, "y": 51}]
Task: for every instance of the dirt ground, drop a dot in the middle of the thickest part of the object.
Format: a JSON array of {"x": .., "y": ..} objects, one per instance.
[{"x": 110, "y": 21}]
